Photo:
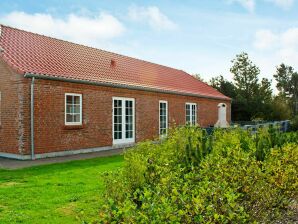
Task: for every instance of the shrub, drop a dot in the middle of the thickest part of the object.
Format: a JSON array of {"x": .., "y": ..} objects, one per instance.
[
  {"x": 294, "y": 123},
  {"x": 193, "y": 177}
]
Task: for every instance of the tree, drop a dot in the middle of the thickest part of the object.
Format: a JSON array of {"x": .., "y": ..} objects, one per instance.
[
  {"x": 245, "y": 76},
  {"x": 199, "y": 77},
  {"x": 287, "y": 84},
  {"x": 280, "y": 109},
  {"x": 224, "y": 86},
  {"x": 253, "y": 98}
]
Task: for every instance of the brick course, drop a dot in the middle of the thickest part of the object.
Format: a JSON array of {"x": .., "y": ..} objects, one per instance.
[{"x": 14, "y": 111}]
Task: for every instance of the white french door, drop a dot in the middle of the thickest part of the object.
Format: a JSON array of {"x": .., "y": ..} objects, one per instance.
[{"x": 123, "y": 120}]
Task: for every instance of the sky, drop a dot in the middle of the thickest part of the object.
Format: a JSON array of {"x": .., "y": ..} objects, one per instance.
[{"x": 199, "y": 37}]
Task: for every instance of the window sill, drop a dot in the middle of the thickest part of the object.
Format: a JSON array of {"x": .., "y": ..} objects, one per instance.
[{"x": 73, "y": 127}]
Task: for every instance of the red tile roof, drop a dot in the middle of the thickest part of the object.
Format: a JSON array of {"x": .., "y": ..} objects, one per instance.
[{"x": 37, "y": 54}]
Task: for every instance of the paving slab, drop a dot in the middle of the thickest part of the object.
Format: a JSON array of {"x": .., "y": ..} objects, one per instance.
[{"x": 12, "y": 164}]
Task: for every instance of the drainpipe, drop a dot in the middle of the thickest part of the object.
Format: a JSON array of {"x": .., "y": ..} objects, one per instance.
[{"x": 32, "y": 119}]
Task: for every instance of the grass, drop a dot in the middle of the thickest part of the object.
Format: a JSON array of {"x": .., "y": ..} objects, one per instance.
[{"x": 56, "y": 193}]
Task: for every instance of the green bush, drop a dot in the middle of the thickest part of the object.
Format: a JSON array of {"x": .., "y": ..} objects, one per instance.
[
  {"x": 294, "y": 123},
  {"x": 230, "y": 176}
]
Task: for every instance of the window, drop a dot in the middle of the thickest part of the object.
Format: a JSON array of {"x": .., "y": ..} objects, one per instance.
[
  {"x": 163, "y": 117},
  {"x": 73, "y": 109},
  {"x": 191, "y": 113},
  {"x": 123, "y": 120}
]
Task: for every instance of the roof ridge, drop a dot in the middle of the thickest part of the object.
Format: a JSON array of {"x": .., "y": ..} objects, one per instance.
[{"x": 121, "y": 55}]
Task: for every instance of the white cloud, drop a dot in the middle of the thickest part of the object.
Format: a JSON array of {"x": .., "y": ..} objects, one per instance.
[
  {"x": 151, "y": 15},
  {"x": 265, "y": 39},
  {"x": 80, "y": 29},
  {"x": 251, "y": 4},
  {"x": 247, "y": 4},
  {"x": 289, "y": 39},
  {"x": 277, "y": 48},
  {"x": 285, "y": 4}
]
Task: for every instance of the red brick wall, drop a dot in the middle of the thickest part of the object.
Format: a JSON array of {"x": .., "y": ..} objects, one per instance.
[
  {"x": 14, "y": 111},
  {"x": 52, "y": 135}
]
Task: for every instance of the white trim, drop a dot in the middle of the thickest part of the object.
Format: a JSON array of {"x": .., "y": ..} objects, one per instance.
[
  {"x": 191, "y": 116},
  {"x": 64, "y": 153},
  {"x": 81, "y": 110},
  {"x": 167, "y": 115},
  {"x": 124, "y": 140}
]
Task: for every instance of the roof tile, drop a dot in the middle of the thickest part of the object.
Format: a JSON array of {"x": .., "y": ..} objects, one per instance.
[{"x": 37, "y": 54}]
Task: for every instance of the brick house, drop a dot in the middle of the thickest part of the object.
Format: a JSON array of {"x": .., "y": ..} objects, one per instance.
[{"x": 60, "y": 98}]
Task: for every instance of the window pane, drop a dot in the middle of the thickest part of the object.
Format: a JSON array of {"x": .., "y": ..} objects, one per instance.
[
  {"x": 117, "y": 135},
  {"x": 117, "y": 119},
  {"x": 128, "y": 111},
  {"x": 128, "y": 103},
  {"x": 76, "y": 109},
  {"x": 69, "y": 118},
  {"x": 77, "y": 118},
  {"x": 117, "y": 103},
  {"x": 69, "y": 108},
  {"x": 69, "y": 99},
  {"x": 76, "y": 99},
  {"x": 128, "y": 134},
  {"x": 187, "y": 118}
]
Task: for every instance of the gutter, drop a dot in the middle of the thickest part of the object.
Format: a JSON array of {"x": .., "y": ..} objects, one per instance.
[
  {"x": 32, "y": 118},
  {"x": 123, "y": 86}
]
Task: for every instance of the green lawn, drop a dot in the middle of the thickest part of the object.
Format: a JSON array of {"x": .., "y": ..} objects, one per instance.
[{"x": 57, "y": 193}]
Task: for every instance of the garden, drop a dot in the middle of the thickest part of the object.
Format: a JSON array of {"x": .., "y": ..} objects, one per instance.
[
  {"x": 230, "y": 176},
  {"x": 190, "y": 176}
]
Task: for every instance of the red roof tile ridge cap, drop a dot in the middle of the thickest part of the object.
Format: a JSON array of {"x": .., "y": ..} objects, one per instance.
[{"x": 85, "y": 46}]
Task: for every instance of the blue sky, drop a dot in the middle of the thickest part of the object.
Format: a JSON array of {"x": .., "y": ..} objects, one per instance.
[{"x": 196, "y": 36}]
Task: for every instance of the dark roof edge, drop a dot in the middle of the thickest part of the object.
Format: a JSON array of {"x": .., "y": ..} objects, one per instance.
[{"x": 123, "y": 86}]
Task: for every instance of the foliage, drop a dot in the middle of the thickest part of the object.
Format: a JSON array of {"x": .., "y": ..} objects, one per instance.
[
  {"x": 253, "y": 97},
  {"x": 192, "y": 177},
  {"x": 57, "y": 193},
  {"x": 294, "y": 123},
  {"x": 224, "y": 86},
  {"x": 281, "y": 110},
  {"x": 245, "y": 75},
  {"x": 287, "y": 84},
  {"x": 199, "y": 77}
]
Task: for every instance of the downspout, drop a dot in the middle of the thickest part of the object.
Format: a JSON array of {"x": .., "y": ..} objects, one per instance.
[{"x": 32, "y": 119}]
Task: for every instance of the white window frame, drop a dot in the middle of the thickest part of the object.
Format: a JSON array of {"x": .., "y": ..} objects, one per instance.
[
  {"x": 81, "y": 110},
  {"x": 192, "y": 120},
  {"x": 124, "y": 140},
  {"x": 167, "y": 117}
]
